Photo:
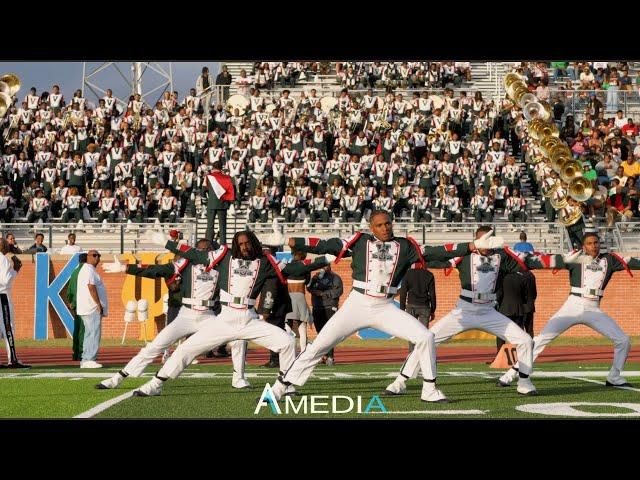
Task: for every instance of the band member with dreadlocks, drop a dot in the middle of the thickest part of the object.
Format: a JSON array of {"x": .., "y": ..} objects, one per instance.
[{"x": 241, "y": 272}]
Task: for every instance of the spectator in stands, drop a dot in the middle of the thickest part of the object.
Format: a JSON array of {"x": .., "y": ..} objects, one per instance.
[
  {"x": 523, "y": 245},
  {"x": 38, "y": 246},
  {"x": 11, "y": 244},
  {"x": 70, "y": 248},
  {"x": 630, "y": 166},
  {"x": 630, "y": 128},
  {"x": 224, "y": 78},
  {"x": 618, "y": 205}
]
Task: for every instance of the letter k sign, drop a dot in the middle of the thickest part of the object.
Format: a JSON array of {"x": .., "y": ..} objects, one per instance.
[{"x": 46, "y": 292}]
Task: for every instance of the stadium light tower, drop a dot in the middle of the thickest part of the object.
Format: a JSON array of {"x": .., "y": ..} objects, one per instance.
[{"x": 156, "y": 76}]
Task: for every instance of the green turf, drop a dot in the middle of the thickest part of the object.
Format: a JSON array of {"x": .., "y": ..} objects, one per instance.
[{"x": 469, "y": 386}]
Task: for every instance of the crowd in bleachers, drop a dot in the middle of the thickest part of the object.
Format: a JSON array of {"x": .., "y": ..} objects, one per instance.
[{"x": 423, "y": 158}]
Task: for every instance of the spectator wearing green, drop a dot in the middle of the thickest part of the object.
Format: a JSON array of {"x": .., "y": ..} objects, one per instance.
[
  {"x": 559, "y": 69},
  {"x": 78, "y": 326}
]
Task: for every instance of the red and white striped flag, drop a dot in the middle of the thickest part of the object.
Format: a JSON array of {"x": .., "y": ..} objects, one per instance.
[{"x": 222, "y": 186}]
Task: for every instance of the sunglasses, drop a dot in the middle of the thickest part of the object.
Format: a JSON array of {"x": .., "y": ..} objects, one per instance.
[{"x": 97, "y": 255}]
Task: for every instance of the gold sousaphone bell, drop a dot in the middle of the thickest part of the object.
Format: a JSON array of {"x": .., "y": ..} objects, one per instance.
[
  {"x": 12, "y": 82},
  {"x": 570, "y": 215},
  {"x": 570, "y": 170},
  {"x": 5, "y": 103},
  {"x": 580, "y": 189},
  {"x": 540, "y": 130}
]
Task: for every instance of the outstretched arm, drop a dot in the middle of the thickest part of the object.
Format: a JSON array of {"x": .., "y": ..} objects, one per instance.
[
  {"x": 331, "y": 246},
  {"x": 198, "y": 257},
  {"x": 299, "y": 268},
  {"x": 152, "y": 271}
]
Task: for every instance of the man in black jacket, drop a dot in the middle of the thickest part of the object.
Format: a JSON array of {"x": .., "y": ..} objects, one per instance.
[
  {"x": 224, "y": 78},
  {"x": 216, "y": 207},
  {"x": 418, "y": 295},
  {"x": 326, "y": 289},
  {"x": 511, "y": 297}
]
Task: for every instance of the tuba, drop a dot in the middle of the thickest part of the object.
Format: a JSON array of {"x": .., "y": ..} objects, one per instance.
[
  {"x": 570, "y": 215},
  {"x": 580, "y": 189}
]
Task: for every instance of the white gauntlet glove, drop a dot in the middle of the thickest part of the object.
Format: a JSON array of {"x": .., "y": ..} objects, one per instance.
[
  {"x": 159, "y": 238},
  {"x": 572, "y": 257},
  {"x": 330, "y": 258},
  {"x": 487, "y": 241},
  {"x": 275, "y": 239},
  {"x": 114, "y": 267}
]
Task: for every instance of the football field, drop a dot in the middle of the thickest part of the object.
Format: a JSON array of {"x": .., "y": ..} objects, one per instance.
[{"x": 566, "y": 390}]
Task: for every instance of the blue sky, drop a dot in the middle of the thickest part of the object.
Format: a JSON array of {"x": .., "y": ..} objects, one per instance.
[{"x": 68, "y": 75}]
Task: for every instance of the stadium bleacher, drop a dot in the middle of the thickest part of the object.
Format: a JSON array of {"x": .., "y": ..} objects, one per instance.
[{"x": 146, "y": 148}]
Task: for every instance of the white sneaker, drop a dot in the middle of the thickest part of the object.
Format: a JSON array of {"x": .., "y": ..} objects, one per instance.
[
  {"x": 617, "y": 382},
  {"x": 278, "y": 389},
  {"x": 290, "y": 391},
  {"x": 110, "y": 383},
  {"x": 239, "y": 382},
  {"x": 150, "y": 389},
  {"x": 330, "y": 362},
  {"x": 195, "y": 362},
  {"x": 90, "y": 364},
  {"x": 398, "y": 387},
  {"x": 506, "y": 379},
  {"x": 526, "y": 387},
  {"x": 431, "y": 394}
]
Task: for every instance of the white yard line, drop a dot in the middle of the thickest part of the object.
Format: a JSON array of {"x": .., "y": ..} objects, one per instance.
[
  {"x": 104, "y": 405},
  {"x": 590, "y": 380}
]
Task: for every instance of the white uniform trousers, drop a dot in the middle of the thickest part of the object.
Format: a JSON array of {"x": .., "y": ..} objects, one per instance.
[
  {"x": 187, "y": 322},
  {"x": 577, "y": 310},
  {"x": 361, "y": 311},
  {"x": 232, "y": 324},
  {"x": 470, "y": 316}
]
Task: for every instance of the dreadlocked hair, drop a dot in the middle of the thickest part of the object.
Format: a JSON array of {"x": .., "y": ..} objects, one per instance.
[{"x": 255, "y": 244}]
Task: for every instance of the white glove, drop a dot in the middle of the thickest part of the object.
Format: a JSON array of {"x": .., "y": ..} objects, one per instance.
[
  {"x": 114, "y": 267},
  {"x": 276, "y": 239},
  {"x": 159, "y": 238},
  {"x": 330, "y": 258},
  {"x": 488, "y": 242},
  {"x": 572, "y": 257}
]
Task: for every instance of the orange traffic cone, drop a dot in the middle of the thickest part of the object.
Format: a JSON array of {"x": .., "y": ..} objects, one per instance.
[{"x": 506, "y": 357}]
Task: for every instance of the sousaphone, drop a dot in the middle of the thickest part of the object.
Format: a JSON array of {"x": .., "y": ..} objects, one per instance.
[{"x": 238, "y": 101}]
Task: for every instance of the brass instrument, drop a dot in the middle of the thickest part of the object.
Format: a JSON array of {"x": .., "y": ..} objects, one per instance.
[
  {"x": 580, "y": 189},
  {"x": 12, "y": 81},
  {"x": 548, "y": 191},
  {"x": 558, "y": 157},
  {"x": 9, "y": 86},
  {"x": 558, "y": 203},
  {"x": 137, "y": 122},
  {"x": 570, "y": 170},
  {"x": 570, "y": 215}
]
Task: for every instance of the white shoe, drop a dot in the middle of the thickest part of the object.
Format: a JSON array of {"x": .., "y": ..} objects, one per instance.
[
  {"x": 150, "y": 389},
  {"x": 431, "y": 394},
  {"x": 195, "y": 362},
  {"x": 330, "y": 362},
  {"x": 526, "y": 387},
  {"x": 398, "y": 387},
  {"x": 110, "y": 383},
  {"x": 90, "y": 364},
  {"x": 506, "y": 379},
  {"x": 239, "y": 382},
  {"x": 290, "y": 391},
  {"x": 278, "y": 389},
  {"x": 618, "y": 381}
]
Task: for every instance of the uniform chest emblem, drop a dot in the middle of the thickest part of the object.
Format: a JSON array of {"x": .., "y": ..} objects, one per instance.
[
  {"x": 382, "y": 254},
  {"x": 595, "y": 267},
  {"x": 243, "y": 268},
  {"x": 485, "y": 265}
]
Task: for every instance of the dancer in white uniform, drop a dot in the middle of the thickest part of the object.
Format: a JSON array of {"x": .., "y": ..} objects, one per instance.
[{"x": 589, "y": 274}]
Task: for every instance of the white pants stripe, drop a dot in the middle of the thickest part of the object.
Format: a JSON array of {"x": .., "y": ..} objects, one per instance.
[
  {"x": 575, "y": 311},
  {"x": 360, "y": 311},
  {"x": 186, "y": 323},
  {"x": 230, "y": 325},
  {"x": 467, "y": 316}
]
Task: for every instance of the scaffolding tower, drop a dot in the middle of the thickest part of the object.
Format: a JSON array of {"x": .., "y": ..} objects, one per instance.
[{"x": 139, "y": 77}]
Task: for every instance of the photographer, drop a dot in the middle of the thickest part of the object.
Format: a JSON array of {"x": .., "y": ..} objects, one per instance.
[{"x": 9, "y": 268}]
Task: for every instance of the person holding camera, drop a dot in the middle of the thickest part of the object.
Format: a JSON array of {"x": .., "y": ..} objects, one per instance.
[{"x": 9, "y": 268}]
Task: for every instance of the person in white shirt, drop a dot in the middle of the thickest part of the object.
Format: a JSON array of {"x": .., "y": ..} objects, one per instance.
[
  {"x": 93, "y": 304},
  {"x": 9, "y": 268},
  {"x": 70, "y": 248}
]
